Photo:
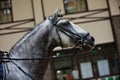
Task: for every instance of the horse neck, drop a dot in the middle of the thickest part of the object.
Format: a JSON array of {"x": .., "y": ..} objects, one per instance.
[{"x": 35, "y": 44}]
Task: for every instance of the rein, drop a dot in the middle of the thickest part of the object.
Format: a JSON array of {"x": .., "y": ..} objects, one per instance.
[
  {"x": 80, "y": 43},
  {"x": 63, "y": 30}
]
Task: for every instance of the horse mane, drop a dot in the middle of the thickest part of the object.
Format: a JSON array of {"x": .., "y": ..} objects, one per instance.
[{"x": 29, "y": 33}]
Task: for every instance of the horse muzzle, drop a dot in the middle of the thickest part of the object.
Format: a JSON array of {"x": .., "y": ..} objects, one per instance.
[{"x": 88, "y": 43}]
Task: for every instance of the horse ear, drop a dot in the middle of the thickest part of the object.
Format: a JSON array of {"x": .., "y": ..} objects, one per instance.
[
  {"x": 57, "y": 12},
  {"x": 56, "y": 15}
]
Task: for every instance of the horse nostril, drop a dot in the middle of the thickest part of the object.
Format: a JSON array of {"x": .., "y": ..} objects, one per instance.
[{"x": 92, "y": 38}]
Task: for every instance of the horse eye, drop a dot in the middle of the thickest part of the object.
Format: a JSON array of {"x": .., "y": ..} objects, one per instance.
[{"x": 66, "y": 24}]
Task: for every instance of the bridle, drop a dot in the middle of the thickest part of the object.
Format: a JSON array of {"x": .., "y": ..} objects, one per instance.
[{"x": 78, "y": 39}]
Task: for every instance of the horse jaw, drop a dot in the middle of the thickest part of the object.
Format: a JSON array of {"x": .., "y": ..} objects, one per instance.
[{"x": 64, "y": 41}]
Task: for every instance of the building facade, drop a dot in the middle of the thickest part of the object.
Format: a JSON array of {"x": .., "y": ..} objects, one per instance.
[{"x": 101, "y": 18}]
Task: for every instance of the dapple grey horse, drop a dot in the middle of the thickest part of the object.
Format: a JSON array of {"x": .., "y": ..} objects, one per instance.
[{"x": 39, "y": 43}]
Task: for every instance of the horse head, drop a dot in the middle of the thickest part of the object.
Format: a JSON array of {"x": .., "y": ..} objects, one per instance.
[{"x": 69, "y": 34}]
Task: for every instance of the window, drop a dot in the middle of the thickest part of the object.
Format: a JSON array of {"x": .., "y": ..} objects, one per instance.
[
  {"x": 73, "y": 6},
  {"x": 86, "y": 70},
  {"x": 5, "y": 11}
]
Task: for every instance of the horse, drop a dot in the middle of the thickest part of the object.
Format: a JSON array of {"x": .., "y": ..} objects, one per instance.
[{"x": 23, "y": 61}]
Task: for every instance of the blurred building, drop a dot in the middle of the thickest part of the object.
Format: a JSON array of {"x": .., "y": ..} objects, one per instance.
[{"x": 101, "y": 18}]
